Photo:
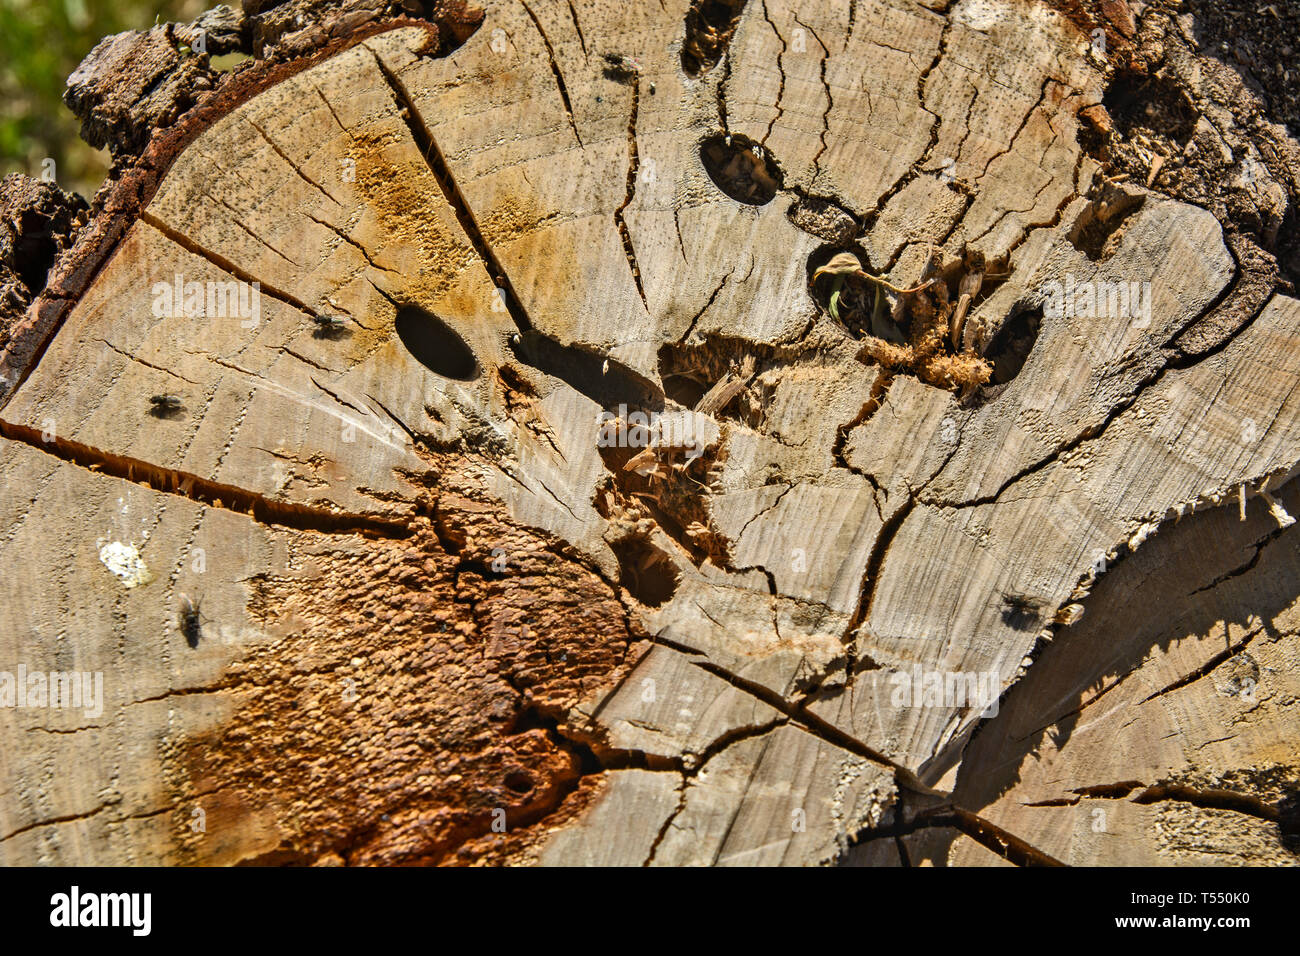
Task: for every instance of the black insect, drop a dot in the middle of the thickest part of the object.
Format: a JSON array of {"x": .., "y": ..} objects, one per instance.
[
  {"x": 329, "y": 326},
  {"x": 621, "y": 69},
  {"x": 1020, "y": 611},
  {"x": 191, "y": 621},
  {"x": 165, "y": 406}
]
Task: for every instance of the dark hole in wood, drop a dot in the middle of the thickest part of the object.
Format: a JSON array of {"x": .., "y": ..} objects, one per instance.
[
  {"x": 857, "y": 298},
  {"x": 741, "y": 168},
  {"x": 1137, "y": 102},
  {"x": 1100, "y": 221},
  {"x": 1010, "y": 348},
  {"x": 33, "y": 254},
  {"x": 646, "y": 572},
  {"x": 709, "y": 26},
  {"x": 684, "y": 390},
  {"x": 519, "y": 781},
  {"x": 683, "y": 387},
  {"x": 605, "y": 381},
  {"x": 1289, "y": 821},
  {"x": 434, "y": 344}
]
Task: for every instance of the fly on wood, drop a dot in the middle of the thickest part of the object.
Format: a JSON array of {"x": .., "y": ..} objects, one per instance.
[
  {"x": 191, "y": 621},
  {"x": 329, "y": 326},
  {"x": 165, "y": 406},
  {"x": 1020, "y": 611}
]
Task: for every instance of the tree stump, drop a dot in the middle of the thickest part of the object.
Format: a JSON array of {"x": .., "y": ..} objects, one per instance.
[{"x": 679, "y": 433}]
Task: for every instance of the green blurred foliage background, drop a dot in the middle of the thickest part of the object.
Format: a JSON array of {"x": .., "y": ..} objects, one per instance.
[{"x": 41, "y": 43}]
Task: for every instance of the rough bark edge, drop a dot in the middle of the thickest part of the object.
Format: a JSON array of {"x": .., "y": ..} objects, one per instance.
[{"x": 118, "y": 205}]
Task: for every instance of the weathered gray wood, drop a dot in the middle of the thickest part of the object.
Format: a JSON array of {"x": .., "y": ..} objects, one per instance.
[{"x": 689, "y": 651}]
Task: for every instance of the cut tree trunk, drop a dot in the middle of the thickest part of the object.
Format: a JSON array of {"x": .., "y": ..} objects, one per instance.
[{"x": 444, "y": 446}]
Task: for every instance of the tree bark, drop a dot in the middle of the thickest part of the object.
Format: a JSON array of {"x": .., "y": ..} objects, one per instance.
[{"x": 500, "y": 437}]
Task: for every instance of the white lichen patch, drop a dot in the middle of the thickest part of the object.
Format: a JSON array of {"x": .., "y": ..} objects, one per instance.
[{"x": 125, "y": 562}]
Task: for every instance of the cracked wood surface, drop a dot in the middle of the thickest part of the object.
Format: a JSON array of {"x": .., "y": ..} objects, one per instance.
[
  {"x": 697, "y": 668},
  {"x": 1189, "y": 660}
]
